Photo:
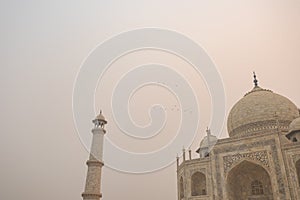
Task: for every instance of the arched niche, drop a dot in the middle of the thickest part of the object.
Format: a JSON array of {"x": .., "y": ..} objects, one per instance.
[
  {"x": 248, "y": 181},
  {"x": 198, "y": 184}
]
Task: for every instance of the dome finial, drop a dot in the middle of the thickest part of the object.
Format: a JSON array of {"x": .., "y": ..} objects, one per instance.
[
  {"x": 255, "y": 81},
  {"x": 208, "y": 131}
]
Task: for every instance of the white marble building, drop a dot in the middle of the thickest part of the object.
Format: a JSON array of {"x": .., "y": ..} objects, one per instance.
[{"x": 259, "y": 161}]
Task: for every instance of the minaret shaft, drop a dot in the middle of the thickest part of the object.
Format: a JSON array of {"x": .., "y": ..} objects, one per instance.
[
  {"x": 97, "y": 144},
  {"x": 95, "y": 163}
]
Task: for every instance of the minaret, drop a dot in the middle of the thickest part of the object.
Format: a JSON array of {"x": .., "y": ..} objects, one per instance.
[{"x": 95, "y": 163}]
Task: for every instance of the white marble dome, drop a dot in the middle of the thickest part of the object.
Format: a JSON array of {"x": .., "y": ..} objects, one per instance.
[
  {"x": 295, "y": 125},
  {"x": 212, "y": 140},
  {"x": 259, "y": 111}
]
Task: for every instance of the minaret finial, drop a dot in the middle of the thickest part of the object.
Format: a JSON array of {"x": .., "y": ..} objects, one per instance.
[
  {"x": 99, "y": 121},
  {"x": 255, "y": 81}
]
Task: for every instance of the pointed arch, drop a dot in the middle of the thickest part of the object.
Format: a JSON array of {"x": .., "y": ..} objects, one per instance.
[
  {"x": 198, "y": 184},
  {"x": 247, "y": 160},
  {"x": 248, "y": 180}
]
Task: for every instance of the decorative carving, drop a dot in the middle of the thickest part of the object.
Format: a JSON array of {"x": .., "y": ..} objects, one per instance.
[
  {"x": 296, "y": 157},
  {"x": 230, "y": 148},
  {"x": 196, "y": 169},
  {"x": 257, "y": 128},
  {"x": 260, "y": 156}
]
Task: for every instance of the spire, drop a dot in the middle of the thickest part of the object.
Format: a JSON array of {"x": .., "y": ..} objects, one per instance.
[
  {"x": 208, "y": 131},
  {"x": 255, "y": 81},
  {"x": 208, "y": 137}
]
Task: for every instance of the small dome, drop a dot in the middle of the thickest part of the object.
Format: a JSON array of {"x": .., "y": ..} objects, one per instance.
[
  {"x": 99, "y": 120},
  {"x": 259, "y": 111},
  {"x": 295, "y": 125},
  {"x": 212, "y": 140},
  {"x": 100, "y": 117}
]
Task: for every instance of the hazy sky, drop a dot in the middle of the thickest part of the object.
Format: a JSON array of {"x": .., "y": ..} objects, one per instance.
[{"x": 43, "y": 44}]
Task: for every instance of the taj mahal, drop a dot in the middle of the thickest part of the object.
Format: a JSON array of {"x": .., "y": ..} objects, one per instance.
[{"x": 260, "y": 160}]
